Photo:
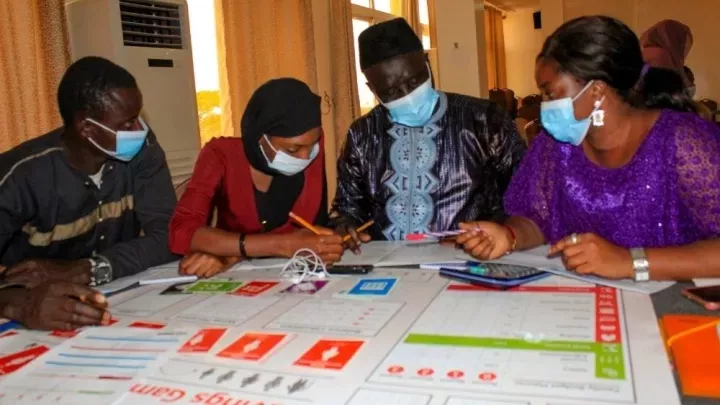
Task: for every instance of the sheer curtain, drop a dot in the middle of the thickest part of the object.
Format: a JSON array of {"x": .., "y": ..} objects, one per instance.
[
  {"x": 346, "y": 102},
  {"x": 34, "y": 53},
  {"x": 259, "y": 41},
  {"x": 412, "y": 15},
  {"x": 495, "y": 49}
]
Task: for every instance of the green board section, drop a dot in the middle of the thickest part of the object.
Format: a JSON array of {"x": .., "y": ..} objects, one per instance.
[
  {"x": 213, "y": 287},
  {"x": 609, "y": 362}
]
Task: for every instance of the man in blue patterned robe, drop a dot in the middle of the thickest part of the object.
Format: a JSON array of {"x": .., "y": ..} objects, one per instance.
[{"x": 422, "y": 160}]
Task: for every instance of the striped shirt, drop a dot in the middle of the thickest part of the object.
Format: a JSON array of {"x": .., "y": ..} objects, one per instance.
[{"x": 50, "y": 210}]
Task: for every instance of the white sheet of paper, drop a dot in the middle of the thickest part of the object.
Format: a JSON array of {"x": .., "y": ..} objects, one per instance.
[
  {"x": 537, "y": 258},
  {"x": 259, "y": 264},
  {"x": 413, "y": 254},
  {"x": 97, "y": 367},
  {"x": 370, "y": 253},
  {"x": 161, "y": 272},
  {"x": 704, "y": 282}
]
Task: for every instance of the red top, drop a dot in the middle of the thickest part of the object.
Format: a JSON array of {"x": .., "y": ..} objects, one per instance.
[{"x": 222, "y": 180}]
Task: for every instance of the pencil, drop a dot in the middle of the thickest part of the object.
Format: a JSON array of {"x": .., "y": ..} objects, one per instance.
[
  {"x": 363, "y": 227},
  {"x": 304, "y": 223}
]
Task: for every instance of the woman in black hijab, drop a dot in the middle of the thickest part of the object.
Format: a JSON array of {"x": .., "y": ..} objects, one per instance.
[{"x": 254, "y": 182}]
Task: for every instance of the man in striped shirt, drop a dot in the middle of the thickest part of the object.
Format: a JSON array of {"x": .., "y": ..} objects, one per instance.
[{"x": 86, "y": 203}]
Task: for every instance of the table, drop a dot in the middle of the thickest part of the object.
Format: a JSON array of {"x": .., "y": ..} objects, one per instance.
[
  {"x": 665, "y": 302},
  {"x": 670, "y": 301}
]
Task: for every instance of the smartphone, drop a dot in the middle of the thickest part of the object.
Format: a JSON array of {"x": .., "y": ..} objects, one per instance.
[
  {"x": 708, "y": 297},
  {"x": 349, "y": 270}
]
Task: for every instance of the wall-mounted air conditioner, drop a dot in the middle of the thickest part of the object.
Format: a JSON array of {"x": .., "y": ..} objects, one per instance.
[{"x": 151, "y": 39}]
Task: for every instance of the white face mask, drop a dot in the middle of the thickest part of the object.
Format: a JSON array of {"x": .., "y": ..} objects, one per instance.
[
  {"x": 287, "y": 164},
  {"x": 127, "y": 143}
]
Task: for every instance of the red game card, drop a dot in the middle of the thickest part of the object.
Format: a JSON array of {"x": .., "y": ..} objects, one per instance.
[
  {"x": 64, "y": 333},
  {"x": 14, "y": 361},
  {"x": 147, "y": 325},
  {"x": 203, "y": 341},
  {"x": 252, "y": 346},
  {"x": 8, "y": 334},
  {"x": 255, "y": 288},
  {"x": 330, "y": 354}
]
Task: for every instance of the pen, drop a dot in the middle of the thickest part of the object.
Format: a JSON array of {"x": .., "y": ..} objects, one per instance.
[
  {"x": 304, "y": 223},
  {"x": 363, "y": 227}
]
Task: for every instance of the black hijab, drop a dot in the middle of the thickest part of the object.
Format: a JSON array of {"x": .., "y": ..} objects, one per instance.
[{"x": 283, "y": 107}]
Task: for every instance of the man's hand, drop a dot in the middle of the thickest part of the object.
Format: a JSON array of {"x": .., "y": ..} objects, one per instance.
[
  {"x": 32, "y": 273},
  {"x": 55, "y": 306},
  {"x": 354, "y": 240}
]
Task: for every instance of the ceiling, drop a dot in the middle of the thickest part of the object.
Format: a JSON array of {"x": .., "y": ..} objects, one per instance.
[{"x": 513, "y": 5}]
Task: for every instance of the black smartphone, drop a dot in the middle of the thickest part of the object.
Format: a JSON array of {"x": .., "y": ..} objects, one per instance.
[
  {"x": 708, "y": 297},
  {"x": 350, "y": 270}
]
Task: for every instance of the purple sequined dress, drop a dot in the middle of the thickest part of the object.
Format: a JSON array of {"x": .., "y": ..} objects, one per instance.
[{"x": 667, "y": 195}]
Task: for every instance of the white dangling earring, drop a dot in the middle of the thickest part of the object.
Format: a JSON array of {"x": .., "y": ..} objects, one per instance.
[{"x": 598, "y": 115}]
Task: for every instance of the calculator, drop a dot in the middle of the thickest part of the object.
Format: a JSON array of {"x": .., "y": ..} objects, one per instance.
[
  {"x": 494, "y": 275},
  {"x": 501, "y": 271}
]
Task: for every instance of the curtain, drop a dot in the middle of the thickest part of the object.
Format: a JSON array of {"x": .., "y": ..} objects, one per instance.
[
  {"x": 34, "y": 54},
  {"x": 433, "y": 26},
  {"x": 411, "y": 13},
  {"x": 259, "y": 41},
  {"x": 495, "y": 49},
  {"x": 346, "y": 102}
]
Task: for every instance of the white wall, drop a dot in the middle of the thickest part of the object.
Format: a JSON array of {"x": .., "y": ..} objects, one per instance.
[
  {"x": 522, "y": 44},
  {"x": 701, "y": 16},
  {"x": 457, "y": 47}
]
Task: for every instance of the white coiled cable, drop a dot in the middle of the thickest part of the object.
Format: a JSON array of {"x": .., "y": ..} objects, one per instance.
[{"x": 304, "y": 265}]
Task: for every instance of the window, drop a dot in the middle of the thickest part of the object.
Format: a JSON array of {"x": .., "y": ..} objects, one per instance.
[
  {"x": 367, "y": 98},
  {"x": 205, "y": 63},
  {"x": 424, "y": 15},
  {"x": 369, "y": 12}
]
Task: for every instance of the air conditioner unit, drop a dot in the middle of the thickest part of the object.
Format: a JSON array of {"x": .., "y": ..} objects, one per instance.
[{"x": 151, "y": 39}]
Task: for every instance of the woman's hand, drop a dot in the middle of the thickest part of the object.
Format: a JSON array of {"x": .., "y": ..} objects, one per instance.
[
  {"x": 328, "y": 245},
  {"x": 204, "y": 265},
  {"x": 589, "y": 253},
  {"x": 485, "y": 240}
]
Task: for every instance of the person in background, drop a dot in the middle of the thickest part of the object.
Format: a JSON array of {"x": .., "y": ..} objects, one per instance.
[
  {"x": 423, "y": 160},
  {"x": 86, "y": 203},
  {"x": 622, "y": 185},
  {"x": 701, "y": 109},
  {"x": 254, "y": 182},
  {"x": 691, "y": 90},
  {"x": 666, "y": 45}
]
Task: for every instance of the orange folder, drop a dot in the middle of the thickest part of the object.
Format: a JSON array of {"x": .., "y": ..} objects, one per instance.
[{"x": 696, "y": 355}]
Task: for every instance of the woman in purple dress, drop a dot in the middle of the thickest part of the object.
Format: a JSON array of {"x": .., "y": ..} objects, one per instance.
[{"x": 625, "y": 183}]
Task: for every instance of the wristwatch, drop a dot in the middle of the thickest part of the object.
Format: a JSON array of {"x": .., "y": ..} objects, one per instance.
[
  {"x": 641, "y": 266},
  {"x": 100, "y": 271}
]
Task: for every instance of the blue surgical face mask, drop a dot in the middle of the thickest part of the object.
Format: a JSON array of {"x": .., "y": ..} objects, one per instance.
[
  {"x": 127, "y": 143},
  {"x": 287, "y": 164},
  {"x": 416, "y": 108},
  {"x": 558, "y": 118}
]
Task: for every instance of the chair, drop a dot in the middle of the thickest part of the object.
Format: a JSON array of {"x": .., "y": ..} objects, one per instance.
[
  {"x": 180, "y": 190},
  {"x": 712, "y": 105},
  {"x": 181, "y": 187},
  {"x": 533, "y": 99},
  {"x": 505, "y": 98}
]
